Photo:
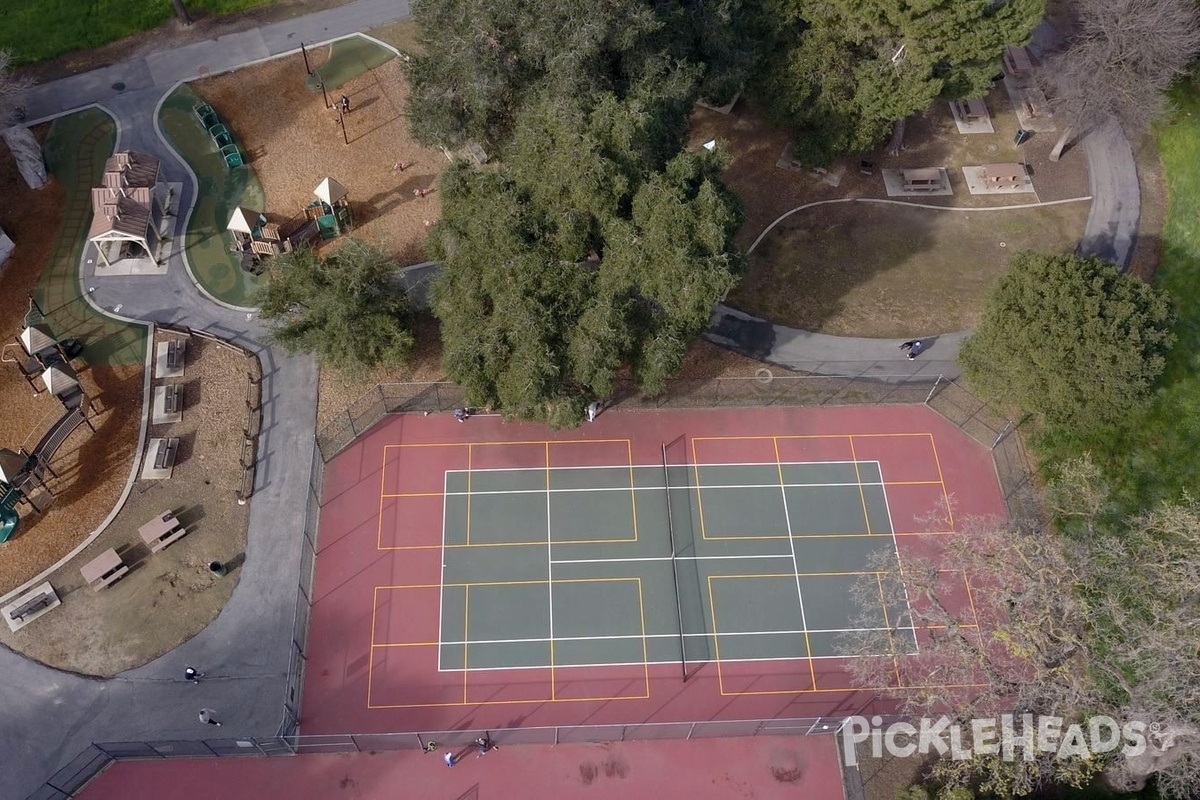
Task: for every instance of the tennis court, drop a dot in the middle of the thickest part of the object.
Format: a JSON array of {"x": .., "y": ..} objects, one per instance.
[{"x": 653, "y": 566}]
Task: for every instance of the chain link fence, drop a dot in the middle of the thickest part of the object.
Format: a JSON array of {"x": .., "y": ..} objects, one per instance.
[
  {"x": 866, "y": 386},
  {"x": 1002, "y": 436}
]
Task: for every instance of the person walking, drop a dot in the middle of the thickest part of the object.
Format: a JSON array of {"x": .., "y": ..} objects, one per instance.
[
  {"x": 209, "y": 717},
  {"x": 449, "y": 759},
  {"x": 345, "y": 104},
  {"x": 593, "y": 410},
  {"x": 485, "y": 744},
  {"x": 192, "y": 675},
  {"x": 461, "y": 414},
  {"x": 915, "y": 350}
]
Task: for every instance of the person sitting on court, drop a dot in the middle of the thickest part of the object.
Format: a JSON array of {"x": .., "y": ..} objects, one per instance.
[{"x": 461, "y": 414}]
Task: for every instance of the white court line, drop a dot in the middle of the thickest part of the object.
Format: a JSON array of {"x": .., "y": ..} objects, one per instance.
[
  {"x": 659, "y": 466},
  {"x": 637, "y": 636},
  {"x": 887, "y": 504},
  {"x": 639, "y": 559},
  {"x": 441, "y": 580},
  {"x": 549, "y": 571},
  {"x": 660, "y": 489},
  {"x": 669, "y": 661},
  {"x": 787, "y": 515}
]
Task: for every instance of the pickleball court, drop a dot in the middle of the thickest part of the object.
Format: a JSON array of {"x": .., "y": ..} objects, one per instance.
[{"x": 498, "y": 575}]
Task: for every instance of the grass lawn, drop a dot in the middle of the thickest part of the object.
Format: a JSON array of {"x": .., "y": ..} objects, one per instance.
[
  {"x": 76, "y": 150},
  {"x": 1153, "y": 457},
  {"x": 37, "y": 30},
  {"x": 888, "y": 270}
]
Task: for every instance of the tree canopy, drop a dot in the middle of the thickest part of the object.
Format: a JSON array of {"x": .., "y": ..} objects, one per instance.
[
  {"x": 1096, "y": 617},
  {"x": 1122, "y": 58},
  {"x": 843, "y": 71},
  {"x": 348, "y": 308},
  {"x": 483, "y": 59},
  {"x": 553, "y": 281},
  {"x": 1070, "y": 339}
]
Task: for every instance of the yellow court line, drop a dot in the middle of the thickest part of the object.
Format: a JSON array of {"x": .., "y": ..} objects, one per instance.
[
  {"x": 803, "y": 436},
  {"x": 712, "y": 609},
  {"x": 799, "y": 593},
  {"x": 645, "y": 646},
  {"x": 910, "y": 483},
  {"x": 888, "y": 623},
  {"x": 502, "y": 443},
  {"x": 861, "y": 494},
  {"x": 382, "y": 486},
  {"x": 371, "y": 647},
  {"x": 942, "y": 478},
  {"x": 971, "y": 601}
]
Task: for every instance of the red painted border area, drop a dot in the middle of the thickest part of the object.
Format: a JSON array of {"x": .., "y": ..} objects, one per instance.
[
  {"x": 924, "y": 460},
  {"x": 764, "y": 767}
]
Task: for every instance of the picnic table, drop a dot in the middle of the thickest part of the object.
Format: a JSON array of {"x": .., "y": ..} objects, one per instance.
[
  {"x": 162, "y": 531},
  {"x": 104, "y": 570}
]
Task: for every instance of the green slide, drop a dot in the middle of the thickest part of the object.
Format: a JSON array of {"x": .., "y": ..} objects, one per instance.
[{"x": 8, "y": 514}]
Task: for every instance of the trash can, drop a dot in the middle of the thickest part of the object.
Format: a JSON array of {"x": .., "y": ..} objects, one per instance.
[
  {"x": 1022, "y": 137},
  {"x": 217, "y": 568}
]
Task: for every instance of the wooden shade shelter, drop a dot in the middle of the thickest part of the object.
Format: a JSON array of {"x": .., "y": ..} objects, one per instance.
[
  {"x": 61, "y": 379},
  {"x": 36, "y": 340},
  {"x": 128, "y": 210}
]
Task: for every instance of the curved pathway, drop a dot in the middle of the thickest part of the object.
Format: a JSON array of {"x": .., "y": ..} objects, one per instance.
[{"x": 50, "y": 717}]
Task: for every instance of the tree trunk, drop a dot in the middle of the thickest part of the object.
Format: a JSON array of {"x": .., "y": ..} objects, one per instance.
[
  {"x": 27, "y": 153},
  {"x": 182, "y": 12},
  {"x": 1068, "y": 136},
  {"x": 897, "y": 143}
]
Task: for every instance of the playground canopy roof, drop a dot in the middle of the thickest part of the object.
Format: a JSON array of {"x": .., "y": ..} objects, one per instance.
[
  {"x": 330, "y": 191},
  {"x": 60, "y": 379},
  {"x": 121, "y": 208},
  {"x": 37, "y": 339},
  {"x": 11, "y": 465},
  {"x": 245, "y": 220}
]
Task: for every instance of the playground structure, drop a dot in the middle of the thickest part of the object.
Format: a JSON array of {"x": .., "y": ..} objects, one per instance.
[
  {"x": 221, "y": 136},
  {"x": 22, "y": 472},
  {"x": 327, "y": 217},
  {"x": 130, "y": 210}
]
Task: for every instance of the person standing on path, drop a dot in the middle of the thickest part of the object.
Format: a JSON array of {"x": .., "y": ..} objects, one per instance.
[{"x": 209, "y": 717}]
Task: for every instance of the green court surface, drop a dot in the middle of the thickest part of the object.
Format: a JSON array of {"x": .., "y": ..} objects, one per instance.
[
  {"x": 219, "y": 190},
  {"x": 348, "y": 58},
  {"x": 75, "y": 152},
  {"x": 594, "y": 566}
]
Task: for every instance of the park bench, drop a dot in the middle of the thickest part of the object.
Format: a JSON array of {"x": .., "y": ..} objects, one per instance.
[
  {"x": 165, "y": 457},
  {"x": 33, "y": 605},
  {"x": 104, "y": 570},
  {"x": 922, "y": 180},
  {"x": 1004, "y": 176},
  {"x": 1016, "y": 61},
  {"x": 162, "y": 531},
  {"x": 176, "y": 349},
  {"x": 172, "y": 399},
  {"x": 30, "y": 605}
]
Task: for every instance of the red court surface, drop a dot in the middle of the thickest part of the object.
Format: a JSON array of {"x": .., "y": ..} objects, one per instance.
[
  {"x": 373, "y": 659},
  {"x": 762, "y": 767}
]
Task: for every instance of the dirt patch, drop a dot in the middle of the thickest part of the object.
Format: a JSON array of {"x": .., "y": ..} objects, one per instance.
[
  {"x": 293, "y": 142},
  {"x": 169, "y": 596},
  {"x": 1147, "y": 252},
  {"x": 866, "y": 269},
  {"x": 885, "y": 777},
  {"x": 927, "y": 295}
]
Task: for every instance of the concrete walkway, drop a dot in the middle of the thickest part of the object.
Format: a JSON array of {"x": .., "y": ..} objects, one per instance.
[{"x": 49, "y": 716}]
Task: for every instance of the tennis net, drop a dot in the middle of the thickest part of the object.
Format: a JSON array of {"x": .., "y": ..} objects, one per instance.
[{"x": 674, "y": 565}]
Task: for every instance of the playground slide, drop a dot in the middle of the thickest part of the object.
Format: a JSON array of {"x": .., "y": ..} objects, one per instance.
[{"x": 8, "y": 523}]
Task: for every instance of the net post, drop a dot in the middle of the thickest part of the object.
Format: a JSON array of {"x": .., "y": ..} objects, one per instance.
[{"x": 674, "y": 567}]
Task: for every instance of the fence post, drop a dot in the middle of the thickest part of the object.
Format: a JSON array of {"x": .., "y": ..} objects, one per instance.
[{"x": 933, "y": 391}]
